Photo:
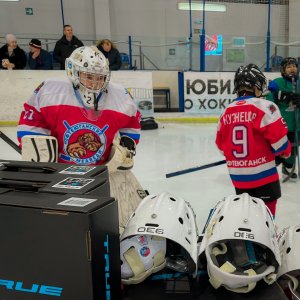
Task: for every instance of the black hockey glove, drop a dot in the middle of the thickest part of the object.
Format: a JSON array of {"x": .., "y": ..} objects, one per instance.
[
  {"x": 295, "y": 99},
  {"x": 289, "y": 97},
  {"x": 278, "y": 160}
]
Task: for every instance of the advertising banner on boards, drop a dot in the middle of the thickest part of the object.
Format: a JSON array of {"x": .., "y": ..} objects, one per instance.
[
  {"x": 209, "y": 93},
  {"x": 139, "y": 85}
]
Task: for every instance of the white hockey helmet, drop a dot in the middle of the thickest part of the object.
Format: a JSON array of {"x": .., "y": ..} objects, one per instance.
[
  {"x": 240, "y": 244},
  {"x": 141, "y": 255},
  {"x": 88, "y": 69},
  {"x": 169, "y": 217},
  {"x": 289, "y": 272}
]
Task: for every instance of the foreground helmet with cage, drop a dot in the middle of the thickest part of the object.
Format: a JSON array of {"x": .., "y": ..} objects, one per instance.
[
  {"x": 87, "y": 63},
  {"x": 166, "y": 217},
  {"x": 240, "y": 244},
  {"x": 248, "y": 77},
  {"x": 285, "y": 62},
  {"x": 289, "y": 271}
]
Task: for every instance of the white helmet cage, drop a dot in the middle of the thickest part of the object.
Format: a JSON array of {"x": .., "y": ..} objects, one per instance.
[
  {"x": 240, "y": 244},
  {"x": 141, "y": 255},
  {"x": 289, "y": 272},
  {"x": 169, "y": 217},
  {"x": 88, "y": 60}
]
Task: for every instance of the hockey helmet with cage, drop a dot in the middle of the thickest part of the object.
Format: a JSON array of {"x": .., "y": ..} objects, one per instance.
[
  {"x": 168, "y": 217},
  {"x": 248, "y": 77},
  {"x": 141, "y": 255},
  {"x": 289, "y": 272},
  {"x": 240, "y": 244},
  {"x": 88, "y": 64},
  {"x": 285, "y": 62}
]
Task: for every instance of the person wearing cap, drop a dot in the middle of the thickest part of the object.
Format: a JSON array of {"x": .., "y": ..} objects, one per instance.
[
  {"x": 12, "y": 57},
  {"x": 38, "y": 58}
]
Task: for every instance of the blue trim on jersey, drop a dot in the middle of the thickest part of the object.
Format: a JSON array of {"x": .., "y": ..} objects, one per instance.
[
  {"x": 134, "y": 136},
  {"x": 254, "y": 177},
  {"x": 20, "y": 134},
  {"x": 273, "y": 86},
  {"x": 282, "y": 148},
  {"x": 243, "y": 98}
]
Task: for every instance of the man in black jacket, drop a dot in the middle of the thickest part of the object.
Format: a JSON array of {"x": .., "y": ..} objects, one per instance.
[{"x": 65, "y": 46}]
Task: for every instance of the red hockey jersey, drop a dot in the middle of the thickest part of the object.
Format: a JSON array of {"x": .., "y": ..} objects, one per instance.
[
  {"x": 84, "y": 136},
  {"x": 251, "y": 132}
]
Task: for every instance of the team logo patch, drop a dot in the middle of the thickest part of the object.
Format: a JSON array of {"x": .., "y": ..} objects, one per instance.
[
  {"x": 240, "y": 102},
  {"x": 84, "y": 143},
  {"x": 145, "y": 251},
  {"x": 70, "y": 65},
  {"x": 272, "y": 108},
  {"x": 39, "y": 87},
  {"x": 128, "y": 91},
  {"x": 142, "y": 240}
]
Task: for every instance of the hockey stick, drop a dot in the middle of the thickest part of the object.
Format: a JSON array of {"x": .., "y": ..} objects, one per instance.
[
  {"x": 185, "y": 171},
  {"x": 297, "y": 141},
  {"x": 10, "y": 142},
  {"x": 297, "y": 124},
  {"x": 296, "y": 88}
]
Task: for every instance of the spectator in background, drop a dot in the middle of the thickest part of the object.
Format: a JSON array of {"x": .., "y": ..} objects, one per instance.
[
  {"x": 111, "y": 53},
  {"x": 12, "y": 57},
  {"x": 38, "y": 58},
  {"x": 65, "y": 46}
]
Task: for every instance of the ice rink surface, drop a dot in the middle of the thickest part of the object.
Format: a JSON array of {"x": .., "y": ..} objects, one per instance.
[{"x": 174, "y": 147}]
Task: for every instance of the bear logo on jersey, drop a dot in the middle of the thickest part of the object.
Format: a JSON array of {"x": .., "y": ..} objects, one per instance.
[
  {"x": 272, "y": 108},
  {"x": 84, "y": 143}
]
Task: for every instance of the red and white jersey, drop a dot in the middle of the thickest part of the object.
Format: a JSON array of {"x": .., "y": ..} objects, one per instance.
[
  {"x": 251, "y": 132},
  {"x": 84, "y": 136}
]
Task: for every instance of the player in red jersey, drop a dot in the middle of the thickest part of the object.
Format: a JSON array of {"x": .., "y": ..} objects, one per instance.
[
  {"x": 94, "y": 121},
  {"x": 84, "y": 112},
  {"x": 251, "y": 132}
]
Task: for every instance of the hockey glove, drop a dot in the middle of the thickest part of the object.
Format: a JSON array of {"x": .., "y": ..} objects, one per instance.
[
  {"x": 289, "y": 98},
  {"x": 278, "y": 160},
  {"x": 121, "y": 155},
  {"x": 39, "y": 148}
]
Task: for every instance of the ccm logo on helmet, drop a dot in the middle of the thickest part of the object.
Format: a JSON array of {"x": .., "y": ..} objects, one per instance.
[{"x": 151, "y": 230}]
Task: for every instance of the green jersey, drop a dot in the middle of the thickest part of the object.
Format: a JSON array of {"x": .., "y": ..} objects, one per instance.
[{"x": 287, "y": 112}]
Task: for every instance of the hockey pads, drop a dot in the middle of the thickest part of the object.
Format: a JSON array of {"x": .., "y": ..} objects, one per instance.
[
  {"x": 121, "y": 155},
  {"x": 39, "y": 148}
]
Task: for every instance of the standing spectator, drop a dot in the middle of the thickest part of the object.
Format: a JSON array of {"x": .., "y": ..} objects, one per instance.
[
  {"x": 12, "y": 57},
  {"x": 38, "y": 58},
  {"x": 251, "y": 132},
  {"x": 65, "y": 46},
  {"x": 282, "y": 92},
  {"x": 111, "y": 53}
]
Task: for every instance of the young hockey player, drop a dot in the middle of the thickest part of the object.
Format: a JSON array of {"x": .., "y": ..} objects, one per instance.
[
  {"x": 282, "y": 92},
  {"x": 85, "y": 113},
  {"x": 251, "y": 132}
]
